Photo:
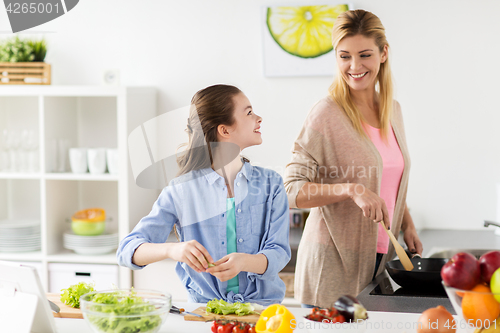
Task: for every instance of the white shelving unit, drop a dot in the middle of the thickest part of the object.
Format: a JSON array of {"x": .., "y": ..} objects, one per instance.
[{"x": 85, "y": 116}]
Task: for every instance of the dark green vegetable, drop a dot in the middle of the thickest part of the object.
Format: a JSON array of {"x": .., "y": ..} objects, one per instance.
[{"x": 350, "y": 308}]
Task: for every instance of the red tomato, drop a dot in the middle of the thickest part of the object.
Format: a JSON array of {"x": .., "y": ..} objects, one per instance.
[
  {"x": 318, "y": 314},
  {"x": 315, "y": 317},
  {"x": 251, "y": 329},
  {"x": 227, "y": 328},
  {"x": 339, "y": 319},
  {"x": 332, "y": 312},
  {"x": 214, "y": 327},
  {"x": 240, "y": 328}
]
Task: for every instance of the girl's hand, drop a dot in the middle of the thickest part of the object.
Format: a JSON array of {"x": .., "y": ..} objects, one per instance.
[
  {"x": 229, "y": 266},
  {"x": 192, "y": 253},
  {"x": 372, "y": 205}
]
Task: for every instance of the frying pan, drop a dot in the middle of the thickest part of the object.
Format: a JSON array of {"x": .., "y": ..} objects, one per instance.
[{"x": 426, "y": 273}]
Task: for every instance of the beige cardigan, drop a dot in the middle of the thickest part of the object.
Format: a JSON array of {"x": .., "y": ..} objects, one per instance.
[{"x": 336, "y": 255}]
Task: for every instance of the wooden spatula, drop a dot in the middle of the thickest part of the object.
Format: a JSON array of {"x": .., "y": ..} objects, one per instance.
[{"x": 403, "y": 257}]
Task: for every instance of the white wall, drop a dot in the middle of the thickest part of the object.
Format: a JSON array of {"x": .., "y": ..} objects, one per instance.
[{"x": 444, "y": 57}]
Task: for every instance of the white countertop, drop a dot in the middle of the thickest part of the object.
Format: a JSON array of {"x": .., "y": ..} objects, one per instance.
[{"x": 378, "y": 322}]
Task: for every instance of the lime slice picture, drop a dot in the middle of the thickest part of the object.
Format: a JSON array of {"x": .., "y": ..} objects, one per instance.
[{"x": 304, "y": 31}]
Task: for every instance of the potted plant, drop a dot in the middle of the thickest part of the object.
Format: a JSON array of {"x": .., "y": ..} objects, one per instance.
[{"x": 22, "y": 61}]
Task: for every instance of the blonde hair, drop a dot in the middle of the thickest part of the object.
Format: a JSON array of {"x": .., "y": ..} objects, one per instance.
[{"x": 367, "y": 24}]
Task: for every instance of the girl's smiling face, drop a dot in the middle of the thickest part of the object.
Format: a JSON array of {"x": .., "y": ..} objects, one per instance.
[
  {"x": 358, "y": 60},
  {"x": 245, "y": 131}
]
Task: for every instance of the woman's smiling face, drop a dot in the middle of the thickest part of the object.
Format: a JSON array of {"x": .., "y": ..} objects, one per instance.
[{"x": 358, "y": 60}]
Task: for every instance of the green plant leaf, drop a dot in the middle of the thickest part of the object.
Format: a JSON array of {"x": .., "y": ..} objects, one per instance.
[{"x": 17, "y": 50}]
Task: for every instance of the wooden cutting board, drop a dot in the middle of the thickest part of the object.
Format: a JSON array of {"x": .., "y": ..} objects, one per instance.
[
  {"x": 252, "y": 318},
  {"x": 66, "y": 311}
]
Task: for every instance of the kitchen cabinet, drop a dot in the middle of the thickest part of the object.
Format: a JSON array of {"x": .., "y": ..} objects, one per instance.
[
  {"x": 64, "y": 117},
  {"x": 62, "y": 275}
]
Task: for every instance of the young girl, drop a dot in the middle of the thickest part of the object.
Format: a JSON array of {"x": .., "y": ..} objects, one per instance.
[{"x": 227, "y": 212}]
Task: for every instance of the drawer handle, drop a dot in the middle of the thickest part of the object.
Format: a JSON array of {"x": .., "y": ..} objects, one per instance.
[{"x": 82, "y": 274}]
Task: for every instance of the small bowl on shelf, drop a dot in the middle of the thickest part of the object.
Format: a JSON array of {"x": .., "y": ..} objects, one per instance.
[
  {"x": 125, "y": 310},
  {"x": 477, "y": 308},
  {"x": 82, "y": 228},
  {"x": 89, "y": 222},
  {"x": 320, "y": 327}
]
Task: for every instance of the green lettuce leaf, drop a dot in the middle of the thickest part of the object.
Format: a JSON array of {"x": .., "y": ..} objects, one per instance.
[
  {"x": 71, "y": 296},
  {"x": 219, "y": 306},
  {"x": 111, "y": 318}
]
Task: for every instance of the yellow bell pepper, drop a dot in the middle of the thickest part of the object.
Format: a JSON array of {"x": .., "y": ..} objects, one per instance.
[{"x": 275, "y": 318}]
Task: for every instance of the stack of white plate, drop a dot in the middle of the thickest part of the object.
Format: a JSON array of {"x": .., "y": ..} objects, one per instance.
[
  {"x": 90, "y": 245},
  {"x": 19, "y": 235}
]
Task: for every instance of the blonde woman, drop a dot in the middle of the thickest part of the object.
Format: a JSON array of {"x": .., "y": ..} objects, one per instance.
[{"x": 351, "y": 165}]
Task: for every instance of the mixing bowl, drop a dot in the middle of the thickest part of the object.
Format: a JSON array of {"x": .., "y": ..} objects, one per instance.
[{"x": 125, "y": 310}]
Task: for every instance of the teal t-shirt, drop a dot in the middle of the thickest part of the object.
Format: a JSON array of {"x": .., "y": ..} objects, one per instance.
[{"x": 233, "y": 284}]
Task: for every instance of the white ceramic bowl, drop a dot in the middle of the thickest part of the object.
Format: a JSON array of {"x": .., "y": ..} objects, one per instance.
[{"x": 318, "y": 327}]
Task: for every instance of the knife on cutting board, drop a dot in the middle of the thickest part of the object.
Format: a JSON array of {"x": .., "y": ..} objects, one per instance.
[
  {"x": 54, "y": 307},
  {"x": 177, "y": 310},
  {"x": 65, "y": 311}
]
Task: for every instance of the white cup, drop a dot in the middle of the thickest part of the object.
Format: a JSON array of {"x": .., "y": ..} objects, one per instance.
[
  {"x": 96, "y": 158},
  {"x": 112, "y": 160},
  {"x": 78, "y": 160}
]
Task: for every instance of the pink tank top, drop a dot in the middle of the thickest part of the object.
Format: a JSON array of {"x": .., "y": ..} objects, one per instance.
[{"x": 391, "y": 176}]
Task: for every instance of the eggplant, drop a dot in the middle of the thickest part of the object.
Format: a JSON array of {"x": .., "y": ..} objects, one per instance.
[{"x": 350, "y": 308}]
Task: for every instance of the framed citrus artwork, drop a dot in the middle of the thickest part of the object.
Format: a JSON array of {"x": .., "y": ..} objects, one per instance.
[{"x": 297, "y": 40}]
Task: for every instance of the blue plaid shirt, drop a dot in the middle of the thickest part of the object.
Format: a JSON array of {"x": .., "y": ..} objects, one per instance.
[{"x": 196, "y": 204}]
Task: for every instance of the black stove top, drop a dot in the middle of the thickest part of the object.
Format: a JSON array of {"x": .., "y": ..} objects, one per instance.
[{"x": 387, "y": 287}]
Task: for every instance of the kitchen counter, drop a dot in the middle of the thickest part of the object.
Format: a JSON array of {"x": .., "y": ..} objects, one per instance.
[
  {"x": 433, "y": 241},
  {"x": 378, "y": 322},
  {"x": 386, "y": 313}
]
